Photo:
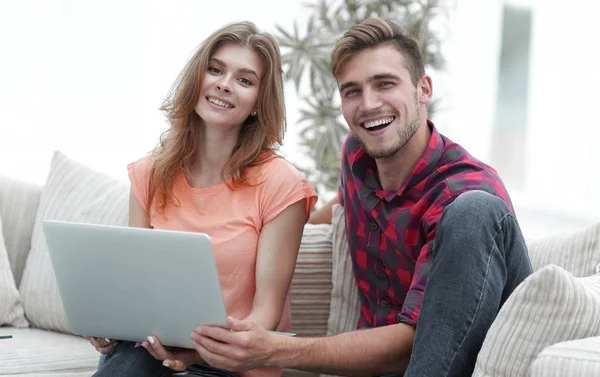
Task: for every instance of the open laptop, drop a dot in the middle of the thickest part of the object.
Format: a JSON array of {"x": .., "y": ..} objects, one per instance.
[{"x": 127, "y": 283}]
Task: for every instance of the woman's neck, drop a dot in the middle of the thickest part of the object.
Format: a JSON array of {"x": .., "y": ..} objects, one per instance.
[{"x": 212, "y": 154}]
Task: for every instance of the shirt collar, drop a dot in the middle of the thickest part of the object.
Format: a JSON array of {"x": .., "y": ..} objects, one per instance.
[{"x": 365, "y": 170}]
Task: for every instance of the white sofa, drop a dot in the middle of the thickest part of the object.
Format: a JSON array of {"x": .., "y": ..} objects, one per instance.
[{"x": 549, "y": 327}]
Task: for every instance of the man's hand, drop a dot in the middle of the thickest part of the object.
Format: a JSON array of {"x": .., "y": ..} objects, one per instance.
[
  {"x": 244, "y": 346},
  {"x": 102, "y": 345},
  {"x": 172, "y": 357}
]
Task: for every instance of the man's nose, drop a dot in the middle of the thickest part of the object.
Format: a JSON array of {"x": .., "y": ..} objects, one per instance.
[{"x": 370, "y": 100}]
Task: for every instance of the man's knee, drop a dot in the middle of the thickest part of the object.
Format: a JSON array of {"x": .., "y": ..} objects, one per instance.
[{"x": 473, "y": 209}]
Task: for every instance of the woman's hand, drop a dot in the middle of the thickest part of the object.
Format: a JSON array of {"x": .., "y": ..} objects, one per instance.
[
  {"x": 172, "y": 357},
  {"x": 102, "y": 345}
]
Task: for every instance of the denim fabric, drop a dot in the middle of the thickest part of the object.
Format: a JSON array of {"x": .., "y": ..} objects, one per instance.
[
  {"x": 125, "y": 360},
  {"x": 479, "y": 258}
]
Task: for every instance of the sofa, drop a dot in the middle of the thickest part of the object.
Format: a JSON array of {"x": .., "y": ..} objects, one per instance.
[{"x": 550, "y": 326}]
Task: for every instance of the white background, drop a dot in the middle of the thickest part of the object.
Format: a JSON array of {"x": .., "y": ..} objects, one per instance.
[{"x": 87, "y": 78}]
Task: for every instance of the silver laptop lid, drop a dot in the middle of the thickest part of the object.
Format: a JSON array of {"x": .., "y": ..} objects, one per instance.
[{"x": 127, "y": 283}]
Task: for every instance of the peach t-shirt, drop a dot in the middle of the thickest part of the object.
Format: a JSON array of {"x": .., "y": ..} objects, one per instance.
[{"x": 233, "y": 220}]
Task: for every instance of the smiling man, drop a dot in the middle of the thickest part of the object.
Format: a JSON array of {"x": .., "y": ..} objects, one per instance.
[{"x": 435, "y": 244}]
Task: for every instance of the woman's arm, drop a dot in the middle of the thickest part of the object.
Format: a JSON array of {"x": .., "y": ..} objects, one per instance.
[
  {"x": 278, "y": 245},
  {"x": 138, "y": 216}
]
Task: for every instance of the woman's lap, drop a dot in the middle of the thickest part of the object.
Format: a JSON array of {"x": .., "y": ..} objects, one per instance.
[{"x": 125, "y": 360}]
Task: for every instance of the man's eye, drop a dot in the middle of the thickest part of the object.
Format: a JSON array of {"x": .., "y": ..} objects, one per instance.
[
  {"x": 350, "y": 92},
  {"x": 385, "y": 83},
  {"x": 214, "y": 70}
]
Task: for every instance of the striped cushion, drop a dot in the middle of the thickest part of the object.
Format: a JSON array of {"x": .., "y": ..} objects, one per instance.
[
  {"x": 73, "y": 192},
  {"x": 11, "y": 311},
  {"x": 345, "y": 304},
  {"x": 577, "y": 252},
  {"x": 579, "y": 358},
  {"x": 311, "y": 284},
  {"x": 18, "y": 205},
  {"x": 41, "y": 353},
  {"x": 549, "y": 307}
]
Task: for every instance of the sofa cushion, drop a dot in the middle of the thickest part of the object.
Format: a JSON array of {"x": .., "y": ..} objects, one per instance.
[
  {"x": 345, "y": 303},
  {"x": 11, "y": 311},
  {"x": 579, "y": 358},
  {"x": 311, "y": 283},
  {"x": 548, "y": 307},
  {"x": 34, "y": 352},
  {"x": 577, "y": 252},
  {"x": 18, "y": 205},
  {"x": 73, "y": 192}
]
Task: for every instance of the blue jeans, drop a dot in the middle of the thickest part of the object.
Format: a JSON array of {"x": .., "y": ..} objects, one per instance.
[
  {"x": 125, "y": 360},
  {"x": 479, "y": 258}
]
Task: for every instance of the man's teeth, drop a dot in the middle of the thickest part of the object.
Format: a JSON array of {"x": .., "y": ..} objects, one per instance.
[
  {"x": 219, "y": 103},
  {"x": 378, "y": 122}
]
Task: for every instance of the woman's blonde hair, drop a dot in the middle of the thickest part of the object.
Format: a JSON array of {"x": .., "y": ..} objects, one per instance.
[{"x": 260, "y": 135}]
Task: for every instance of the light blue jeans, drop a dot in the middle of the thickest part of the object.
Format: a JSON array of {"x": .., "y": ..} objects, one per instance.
[{"x": 479, "y": 258}]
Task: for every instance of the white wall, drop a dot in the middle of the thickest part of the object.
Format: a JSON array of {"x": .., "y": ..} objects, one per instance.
[
  {"x": 87, "y": 77},
  {"x": 561, "y": 190}
]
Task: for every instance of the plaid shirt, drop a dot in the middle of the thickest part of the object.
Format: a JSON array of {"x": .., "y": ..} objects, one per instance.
[{"x": 391, "y": 233}]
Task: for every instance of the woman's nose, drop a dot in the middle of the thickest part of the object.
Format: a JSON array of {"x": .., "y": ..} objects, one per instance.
[
  {"x": 223, "y": 87},
  {"x": 223, "y": 84}
]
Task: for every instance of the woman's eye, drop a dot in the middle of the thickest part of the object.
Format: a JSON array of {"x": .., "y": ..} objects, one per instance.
[
  {"x": 245, "y": 81},
  {"x": 214, "y": 70}
]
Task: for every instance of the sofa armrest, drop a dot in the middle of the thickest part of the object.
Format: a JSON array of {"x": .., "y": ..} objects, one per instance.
[
  {"x": 18, "y": 206},
  {"x": 579, "y": 358}
]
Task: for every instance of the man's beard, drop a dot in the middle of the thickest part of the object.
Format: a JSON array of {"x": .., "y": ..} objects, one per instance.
[{"x": 404, "y": 136}]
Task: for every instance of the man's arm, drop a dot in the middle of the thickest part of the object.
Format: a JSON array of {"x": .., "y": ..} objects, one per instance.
[
  {"x": 378, "y": 351},
  {"x": 323, "y": 215}
]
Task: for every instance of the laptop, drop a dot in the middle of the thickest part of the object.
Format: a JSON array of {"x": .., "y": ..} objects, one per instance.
[{"x": 127, "y": 283}]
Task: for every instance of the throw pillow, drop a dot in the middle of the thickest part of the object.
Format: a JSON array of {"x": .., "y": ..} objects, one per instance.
[
  {"x": 345, "y": 303},
  {"x": 577, "y": 252},
  {"x": 311, "y": 283},
  {"x": 18, "y": 203},
  {"x": 550, "y": 306},
  {"x": 11, "y": 311},
  {"x": 73, "y": 192},
  {"x": 579, "y": 358}
]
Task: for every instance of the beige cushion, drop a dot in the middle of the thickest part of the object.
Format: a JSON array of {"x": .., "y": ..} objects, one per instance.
[
  {"x": 311, "y": 284},
  {"x": 311, "y": 287},
  {"x": 577, "y": 252},
  {"x": 11, "y": 311},
  {"x": 345, "y": 303},
  {"x": 550, "y": 306},
  {"x": 76, "y": 193},
  {"x": 18, "y": 205},
  {"x": 40, "y": 353},
  {"x": 579, "y": 358}
]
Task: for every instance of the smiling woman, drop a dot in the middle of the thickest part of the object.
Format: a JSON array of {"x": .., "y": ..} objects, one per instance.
[
  {"x": 216, "y": 171},
  {"x": 230, "y": 87},
  {"x": 229, "y": 100}
]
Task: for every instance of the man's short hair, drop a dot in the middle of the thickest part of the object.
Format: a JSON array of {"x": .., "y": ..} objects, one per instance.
[{"x": 371, "y": 33}]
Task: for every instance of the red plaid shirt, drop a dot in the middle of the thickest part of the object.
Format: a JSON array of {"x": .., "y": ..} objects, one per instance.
[{"x": 391, "y": 233}]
